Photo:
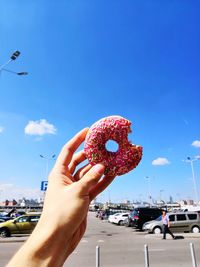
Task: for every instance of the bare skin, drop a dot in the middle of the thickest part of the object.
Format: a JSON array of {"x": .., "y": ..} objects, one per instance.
[{"x": 64, "y": 217}]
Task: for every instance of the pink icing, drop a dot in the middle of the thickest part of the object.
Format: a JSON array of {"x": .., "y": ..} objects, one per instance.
[{"x": 114, "y": 128}]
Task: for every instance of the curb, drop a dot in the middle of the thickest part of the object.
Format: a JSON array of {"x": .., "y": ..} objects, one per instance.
[
  {"x": 12, "y": 240},
  {"x": 185, "y": 235}
]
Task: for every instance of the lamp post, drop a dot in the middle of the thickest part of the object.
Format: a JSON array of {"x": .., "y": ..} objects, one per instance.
[
  {"x": 161, "y": 190},
  {"x": 109, "y": 198},
  {"x": 47, "y": 162},
  {"x": 141, "y": 199},
  {"x": 189, "y": 160},
  {"x": 13, "y": 57},
  {"x": 149, "y": 190}
]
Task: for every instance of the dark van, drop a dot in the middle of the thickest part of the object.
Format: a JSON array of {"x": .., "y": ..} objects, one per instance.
[{"x": 141, "y": 215}]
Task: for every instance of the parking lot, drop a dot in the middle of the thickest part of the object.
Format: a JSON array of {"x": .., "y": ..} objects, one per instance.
[{"x": 119, "y": 246}]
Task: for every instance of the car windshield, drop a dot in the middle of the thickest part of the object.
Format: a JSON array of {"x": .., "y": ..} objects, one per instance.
[
  {"x": 134, "y": 213},
  {"x": 159, "y": 218}
]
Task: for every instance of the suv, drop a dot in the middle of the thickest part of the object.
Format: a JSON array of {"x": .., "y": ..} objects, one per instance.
[
  {"x": 179, "y": 222},
  {"x": 141, "y": 215},
  {"x": 21, "y": 225}
]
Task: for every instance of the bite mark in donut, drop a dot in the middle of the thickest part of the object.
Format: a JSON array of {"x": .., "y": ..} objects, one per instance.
[{"x": 114, "y": 128}]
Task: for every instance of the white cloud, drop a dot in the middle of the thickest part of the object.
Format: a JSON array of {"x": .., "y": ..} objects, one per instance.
[
  {"x": 1, "y": 129},
  {"x": 40, "y": 127},
  {"x": 196, "y": 143},
  {"x": 160, "y": 162}
]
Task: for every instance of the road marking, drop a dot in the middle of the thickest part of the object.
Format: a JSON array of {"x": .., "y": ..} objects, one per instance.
[{"x": 100, "y": 241}]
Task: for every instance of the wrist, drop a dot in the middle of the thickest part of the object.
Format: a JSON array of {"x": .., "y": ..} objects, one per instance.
[{"x": 49, "y": 247}]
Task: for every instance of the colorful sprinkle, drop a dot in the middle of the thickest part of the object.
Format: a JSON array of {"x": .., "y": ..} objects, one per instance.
[{"x": 114, "y": 128}]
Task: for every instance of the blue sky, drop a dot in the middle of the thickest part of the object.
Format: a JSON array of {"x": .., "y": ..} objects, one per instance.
[{"x": 91, "y": 59}]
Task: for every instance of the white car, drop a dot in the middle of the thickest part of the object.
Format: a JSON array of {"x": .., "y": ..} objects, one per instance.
[
  {"x": 118, "y": 218},
  {"x": 110, "y": 217}
]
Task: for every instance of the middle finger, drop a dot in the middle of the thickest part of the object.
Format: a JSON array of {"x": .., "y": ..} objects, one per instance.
[{"x": 82, "y": 171}]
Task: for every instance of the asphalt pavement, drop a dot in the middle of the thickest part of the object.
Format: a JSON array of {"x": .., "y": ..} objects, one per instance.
[
  {"x": 120, "y": 247},
  {"x": 23, "y": 238}
]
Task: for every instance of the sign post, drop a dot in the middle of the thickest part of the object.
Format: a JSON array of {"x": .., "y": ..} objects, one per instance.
[{"x": 44, "y": 185}]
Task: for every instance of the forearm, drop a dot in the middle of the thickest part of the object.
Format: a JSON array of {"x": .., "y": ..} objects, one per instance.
[
  {"x": 63, "y": 220},
  {"x": 48, "y": 248}
]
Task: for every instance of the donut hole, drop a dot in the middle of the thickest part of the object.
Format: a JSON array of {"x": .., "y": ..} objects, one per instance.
[{"x": 112, "y": 146}]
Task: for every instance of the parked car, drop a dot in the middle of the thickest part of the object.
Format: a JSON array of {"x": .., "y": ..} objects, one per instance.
[
  {"x": 110, "y": 217},
  {"x": 179, "y": 222},
  {"x": 141, "y": 215},
  {"x": 5, "y": 218},
  {"x": 119, "y": 218},
  {"x": 21, "y": 225},
  {"x": 104, "y": 214},
  {"x": 97, "y": 213},
  {"x": 13, "y": 213}
]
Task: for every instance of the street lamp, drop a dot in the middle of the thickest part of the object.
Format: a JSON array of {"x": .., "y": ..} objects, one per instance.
[
  {"x": 14, "y": 72},
  {"x": 161, "y": 190},
  {"x": 189, "y": 160},
  {"x": 13, "y": 57},
  {"x": 109, "y": 198},
  {"x": 47, "y": 162},
  {"x": 149, "y": 190}
]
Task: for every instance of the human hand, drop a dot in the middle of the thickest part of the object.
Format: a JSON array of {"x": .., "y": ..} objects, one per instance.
[
  {"x": 63, "y": 220},
  {"x": 69, "y": 193}
]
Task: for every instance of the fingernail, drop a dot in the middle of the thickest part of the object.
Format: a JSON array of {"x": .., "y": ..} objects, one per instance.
[{"x": 99, "y": 168}]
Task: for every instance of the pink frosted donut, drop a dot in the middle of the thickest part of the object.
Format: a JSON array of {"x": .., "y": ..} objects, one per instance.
[{"x": 114, "y": 128}]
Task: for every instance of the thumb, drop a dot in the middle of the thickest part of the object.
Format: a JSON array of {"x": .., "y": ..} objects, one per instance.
[{"x": 92, "y": 177}]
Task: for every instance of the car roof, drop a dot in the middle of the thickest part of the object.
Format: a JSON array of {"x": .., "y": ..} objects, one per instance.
[
  {"x": 182, "y": 212},
  {"x": 27, "y": 215},
  {"x": 33, "y": 213},
  {"x": 147, "y": 208},
  {"x": 121, "y": 213}
]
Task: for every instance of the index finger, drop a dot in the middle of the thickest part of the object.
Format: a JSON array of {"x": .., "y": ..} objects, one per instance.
[{"x": 70, "y": 147}]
